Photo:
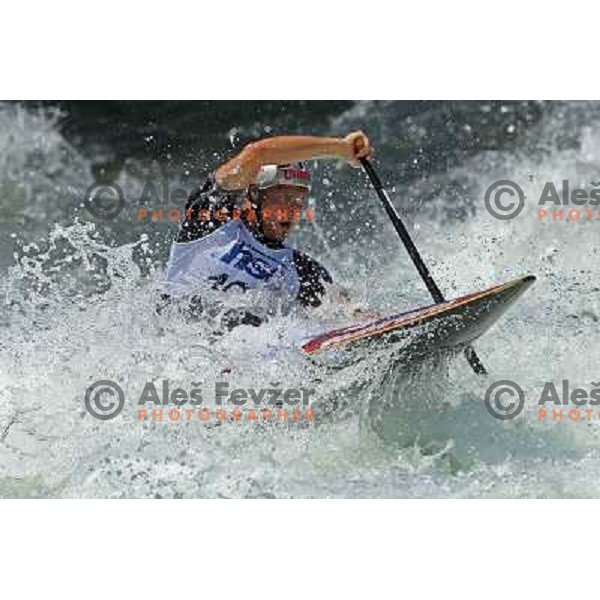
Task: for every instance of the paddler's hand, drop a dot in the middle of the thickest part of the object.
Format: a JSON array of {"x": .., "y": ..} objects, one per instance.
[{"x": 357, "y": 146}]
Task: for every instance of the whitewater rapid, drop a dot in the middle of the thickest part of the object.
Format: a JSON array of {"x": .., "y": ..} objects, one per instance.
[{"x": 79, "y": 300}]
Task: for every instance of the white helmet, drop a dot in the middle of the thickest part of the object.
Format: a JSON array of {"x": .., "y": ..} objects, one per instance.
[{"x": 295, "y": 174}]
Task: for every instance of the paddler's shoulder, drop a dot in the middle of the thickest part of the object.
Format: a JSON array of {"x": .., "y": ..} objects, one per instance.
[
  {"x": 306, "y": 263},
  {"x": 210, "y": 194},
  {"x": 312, "y": 276},
  {"x": 207, "y": 197}
]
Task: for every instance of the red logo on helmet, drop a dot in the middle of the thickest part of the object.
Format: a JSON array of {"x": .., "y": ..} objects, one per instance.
[{"x": 294, "y": 174}]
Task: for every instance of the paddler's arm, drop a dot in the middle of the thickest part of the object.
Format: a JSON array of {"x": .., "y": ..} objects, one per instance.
[{"x": 241, "y": 170}]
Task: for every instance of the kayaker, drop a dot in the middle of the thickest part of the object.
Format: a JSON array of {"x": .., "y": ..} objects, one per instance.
[{"x": 258, "y": 190}]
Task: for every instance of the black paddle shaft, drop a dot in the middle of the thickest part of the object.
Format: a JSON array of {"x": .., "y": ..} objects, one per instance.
[{"x": 434, "y": 290}]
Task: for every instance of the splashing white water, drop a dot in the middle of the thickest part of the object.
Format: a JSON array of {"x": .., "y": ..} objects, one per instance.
[{"x": 78, "y": 308}]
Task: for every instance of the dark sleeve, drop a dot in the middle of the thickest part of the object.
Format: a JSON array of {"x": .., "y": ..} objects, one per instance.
[
  {"x": 313, "y": 277},
  {"x": 209, "y": 197}
]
